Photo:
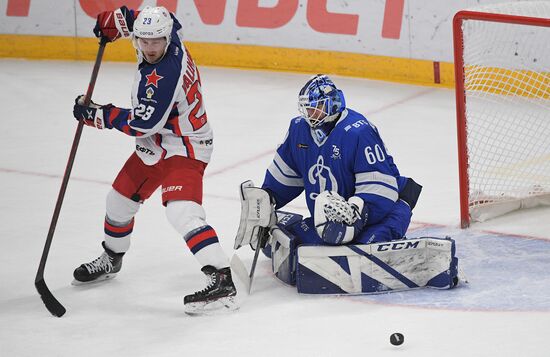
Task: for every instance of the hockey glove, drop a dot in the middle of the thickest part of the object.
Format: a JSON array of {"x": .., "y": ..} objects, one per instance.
[
  {"x": 338, "y": 221},
  {"x": 112, "y": 25},
  {"x": 93, "y": 115}
]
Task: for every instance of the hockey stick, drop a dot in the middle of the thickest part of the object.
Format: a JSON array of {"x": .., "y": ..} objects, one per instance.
[
  {"x": 237, "y": 266},
  {"x": 49, "y": 300}
]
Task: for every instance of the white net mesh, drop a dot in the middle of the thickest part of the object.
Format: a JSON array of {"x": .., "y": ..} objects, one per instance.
[{"x": 507, "y": 89}]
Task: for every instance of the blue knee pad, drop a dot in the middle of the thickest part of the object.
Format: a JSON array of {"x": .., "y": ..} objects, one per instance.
[
  {"x": 283, "y": 256},
  {"x": 285, "y": 220},
  {"x": 289, "y": 232},
  {"x": 392, "y": 227}
]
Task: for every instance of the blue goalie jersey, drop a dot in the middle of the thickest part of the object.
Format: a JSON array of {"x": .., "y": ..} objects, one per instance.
[{"x": 352, "y": 161}]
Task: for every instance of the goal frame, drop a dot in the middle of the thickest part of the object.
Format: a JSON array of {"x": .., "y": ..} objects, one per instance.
[{"x": 458, "y": 44}]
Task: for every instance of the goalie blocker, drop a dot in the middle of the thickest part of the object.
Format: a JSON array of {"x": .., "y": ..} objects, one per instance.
[{"x": 364, "y": 268}]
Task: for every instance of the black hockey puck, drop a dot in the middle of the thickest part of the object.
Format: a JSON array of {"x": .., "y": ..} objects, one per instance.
[{"x": 396, "y": 339}]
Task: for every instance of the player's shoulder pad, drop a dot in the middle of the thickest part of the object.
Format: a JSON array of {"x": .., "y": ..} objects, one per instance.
[
  {"x": 297, "y": 121},
  {"x": 355, "y": 122},
  {"x": 297, "y": 124},
  {"x": 177, "y": 25},
  {"x": 174, "y": 55}
]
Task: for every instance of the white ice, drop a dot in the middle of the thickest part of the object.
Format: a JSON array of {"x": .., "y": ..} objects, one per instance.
[{"x": 140, "y": 313}]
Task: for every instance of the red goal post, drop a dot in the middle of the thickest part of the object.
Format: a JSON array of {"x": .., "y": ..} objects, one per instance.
[{"x": 502, "y": 74}]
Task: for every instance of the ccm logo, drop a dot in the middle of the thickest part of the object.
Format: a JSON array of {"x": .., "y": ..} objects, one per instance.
[
  {"x": 171, "y": 188},
  {"x": 397, "y": 246},
  {"x": 285, "y": 219}
]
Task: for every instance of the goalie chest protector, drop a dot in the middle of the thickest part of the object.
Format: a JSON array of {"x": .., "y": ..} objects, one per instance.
[{"x": 375, "y": 268}]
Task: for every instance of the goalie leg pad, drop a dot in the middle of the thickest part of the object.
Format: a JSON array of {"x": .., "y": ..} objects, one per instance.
[
  {"x": 374, "y": 268},
  {"x": 285, "y": 221},
  {"x": 283, "y": 255},
  {"x": 290, "y": 232}
]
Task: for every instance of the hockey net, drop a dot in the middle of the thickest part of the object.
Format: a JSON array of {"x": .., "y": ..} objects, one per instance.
[{"x": 502, "y": 68}]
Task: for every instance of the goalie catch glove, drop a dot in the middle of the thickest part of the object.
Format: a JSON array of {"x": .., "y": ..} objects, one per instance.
[
  {"x": 93, "y": 115},
  {"x": 338, "y": 221}
]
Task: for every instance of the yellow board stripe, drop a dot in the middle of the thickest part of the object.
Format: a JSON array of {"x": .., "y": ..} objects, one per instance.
[
  {"x": 240, "y": 56},
  {"x": 507, "y": 82}
]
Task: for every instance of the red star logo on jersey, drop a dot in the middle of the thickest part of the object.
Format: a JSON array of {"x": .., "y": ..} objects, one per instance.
[{"x": 153, "y": 78}]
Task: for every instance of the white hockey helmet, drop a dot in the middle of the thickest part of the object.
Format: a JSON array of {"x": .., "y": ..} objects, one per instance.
[{"x": 153, "y": 22}]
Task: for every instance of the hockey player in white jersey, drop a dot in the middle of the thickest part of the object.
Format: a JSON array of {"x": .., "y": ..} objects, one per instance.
[
  {"x": 354, "y": 192},
  {"x": 173, "y": 147}
]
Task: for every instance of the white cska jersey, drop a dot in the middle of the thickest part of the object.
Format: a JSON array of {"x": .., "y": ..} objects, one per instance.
[{"x": 168, "y": 116}]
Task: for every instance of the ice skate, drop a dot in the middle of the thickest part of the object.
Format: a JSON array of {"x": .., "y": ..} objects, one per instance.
[
  {"x": 218, "y": 296},
  {"x": 106, "y": 266}
]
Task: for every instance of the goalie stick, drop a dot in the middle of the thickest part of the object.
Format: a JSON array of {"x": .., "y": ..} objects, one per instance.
[
  {"x": 238, "y": 266},
  {"x": 52, "y": 304}
]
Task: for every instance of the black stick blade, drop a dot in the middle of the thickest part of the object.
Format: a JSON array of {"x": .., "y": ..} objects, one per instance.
[{"x": 49, "y": 300}]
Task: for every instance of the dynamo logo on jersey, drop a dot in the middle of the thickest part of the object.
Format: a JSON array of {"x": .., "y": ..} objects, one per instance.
[{"x": 322, "y": 175}]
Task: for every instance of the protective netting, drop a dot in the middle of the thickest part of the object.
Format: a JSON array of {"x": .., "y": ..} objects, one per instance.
[{"x": 507, "y": 89}]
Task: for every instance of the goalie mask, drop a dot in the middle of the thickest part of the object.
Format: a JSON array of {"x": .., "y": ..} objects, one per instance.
[
  {"x": 152, "y": 25},
  {"x": 320, "y": 101}
]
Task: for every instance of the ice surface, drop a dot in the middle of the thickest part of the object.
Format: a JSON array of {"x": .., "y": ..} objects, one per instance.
[{"x": 504, "y": 311}]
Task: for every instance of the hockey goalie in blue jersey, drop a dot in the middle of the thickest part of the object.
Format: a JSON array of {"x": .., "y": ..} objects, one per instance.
[{"x": 356, "y": 196}]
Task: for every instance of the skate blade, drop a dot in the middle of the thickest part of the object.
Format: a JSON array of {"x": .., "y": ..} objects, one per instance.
[
  {"x": 216, "y": 307},
  {"x": 98, "y": 280}
]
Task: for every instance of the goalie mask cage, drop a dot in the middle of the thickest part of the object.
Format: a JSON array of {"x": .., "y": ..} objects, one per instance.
[{"x": 502, "y": 72}]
